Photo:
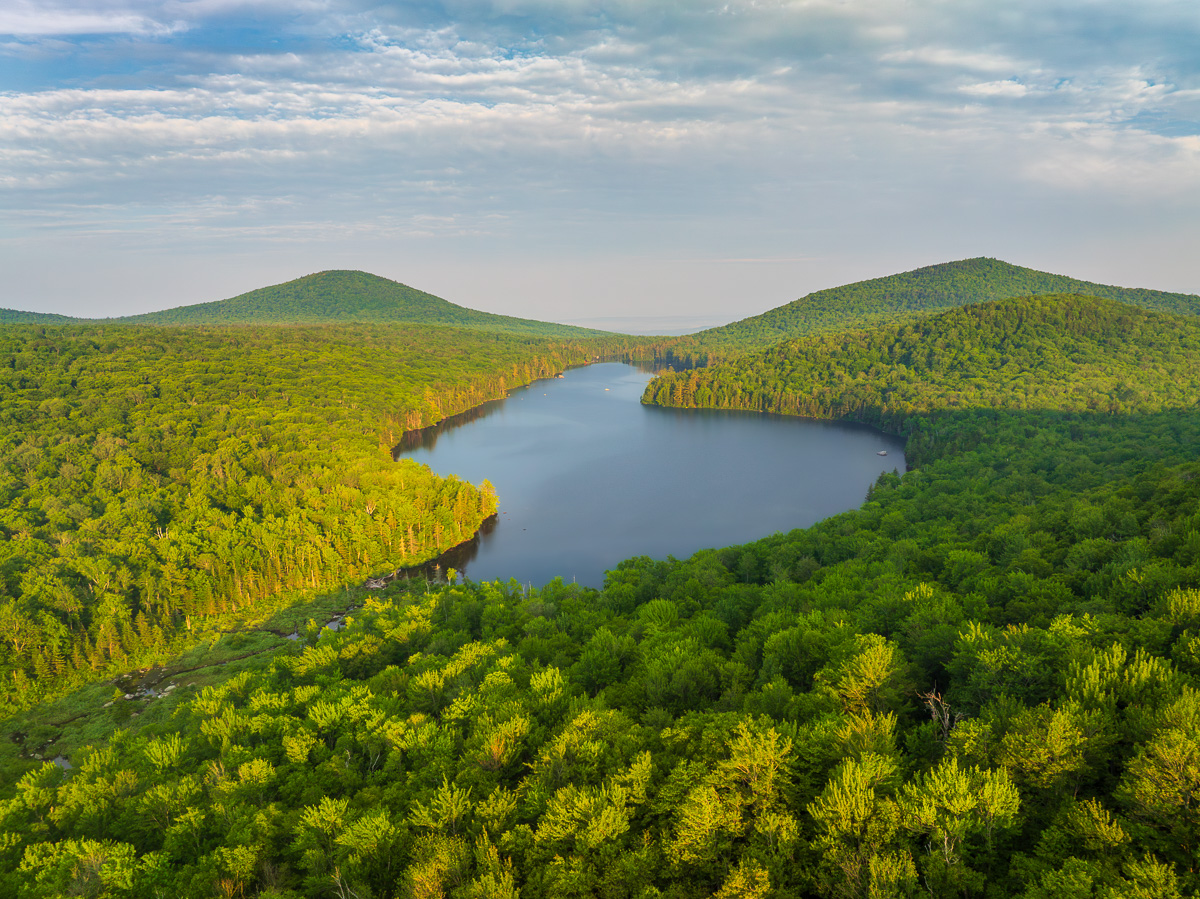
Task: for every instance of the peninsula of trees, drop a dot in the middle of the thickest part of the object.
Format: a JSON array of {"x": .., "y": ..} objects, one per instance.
[{"x": 154, "y": 481}]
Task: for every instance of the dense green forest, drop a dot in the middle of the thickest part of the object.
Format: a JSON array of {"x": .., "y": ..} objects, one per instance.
[
  {"x": 1033, "y": 353},
  {"x": 984, "y": 682},
  {"x": 883, "y": 301},
  {"x": 155, "y": 482},
  {"x": 345, "y": 296}
]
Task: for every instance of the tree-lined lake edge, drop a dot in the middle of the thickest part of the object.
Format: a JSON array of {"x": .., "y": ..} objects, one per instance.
[{"x": 587, "y": 476}]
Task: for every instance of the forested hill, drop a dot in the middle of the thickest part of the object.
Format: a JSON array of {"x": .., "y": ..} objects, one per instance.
[
  {"x": 925, "y": 290},
  {"x": 345, "y": 296},
  {"x": 20, "y": 317},
  {"x": 1046, "y": 352}
]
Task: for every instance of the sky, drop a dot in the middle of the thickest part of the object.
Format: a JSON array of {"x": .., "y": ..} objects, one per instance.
[{"x": 689, "y": 162}]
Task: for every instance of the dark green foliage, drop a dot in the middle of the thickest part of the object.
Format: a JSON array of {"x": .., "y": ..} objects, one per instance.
[
  {"x": 1032, "y": 353},
  {"x": 901, "y": 297},
  {"x": 344, "y": 296}
]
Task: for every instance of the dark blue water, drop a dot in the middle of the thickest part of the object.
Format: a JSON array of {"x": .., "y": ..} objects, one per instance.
[{"x": 587, "y": 476}]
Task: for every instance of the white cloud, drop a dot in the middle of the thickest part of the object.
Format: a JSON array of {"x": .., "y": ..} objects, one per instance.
[
  {"x": 949, "y": 57},
  {"x": 26, "y": 19},
  {"x": 1138, "y": 166},
  {"x": 1009, "y": 88}
]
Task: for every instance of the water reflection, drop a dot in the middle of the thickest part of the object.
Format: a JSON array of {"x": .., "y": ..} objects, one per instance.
[
  {"x": 457, "y": 557},
  {"x": 427, "y": 438}
]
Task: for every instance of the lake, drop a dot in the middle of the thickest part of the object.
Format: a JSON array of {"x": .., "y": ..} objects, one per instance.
[{"x": 587, "y": 476}]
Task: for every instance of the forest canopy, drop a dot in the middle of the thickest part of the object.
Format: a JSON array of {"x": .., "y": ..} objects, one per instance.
[
  {"x": 153, "y": 480},
  {"x": 903, "y": 297},
  {"x": 1058, "y": 352},
  {"x": 985, "y": 682}
]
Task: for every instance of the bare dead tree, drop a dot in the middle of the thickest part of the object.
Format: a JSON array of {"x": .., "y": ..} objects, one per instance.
[{"x": 941, "y": 713}]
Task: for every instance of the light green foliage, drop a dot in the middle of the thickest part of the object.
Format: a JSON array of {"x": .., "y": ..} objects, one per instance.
[
  {"x": 164, "y": 753},
  {"x": 870, "y": 680},
  {"x": 859, "y": 826},
  {"x": 1049, "y": 748},
  {"x": 951, "y": 804},
  {"x": 1162, "y": 781},
  {"x": 100, "y": 869},
  {"x": 749, "y": 881},
  {"x": 495, "y": 874},
  {"x": 743, "y": 801},
  {"x": 159, "y": 484},
  {"x": 441, "y": 864},
  {"x": 583, "y": 819},
  {"x": 446, "y": 812}
]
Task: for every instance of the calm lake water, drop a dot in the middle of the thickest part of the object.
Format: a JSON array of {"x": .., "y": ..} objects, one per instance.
[{"x": 588, "y": 476}]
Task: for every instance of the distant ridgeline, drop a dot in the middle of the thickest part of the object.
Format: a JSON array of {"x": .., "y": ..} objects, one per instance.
[
  {"x": 17, "y": 317},
  {"x": 155, "y": 481},
  {"x": 327, "y": 298},
  {"x": 887, "y": 300},
  {"x": 344, "y": 296}
]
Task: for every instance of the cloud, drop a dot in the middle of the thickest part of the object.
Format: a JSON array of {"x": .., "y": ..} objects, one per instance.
[
  {"x": 153, "y": 18},
  {"x": 739, "y": 127},
  {"x": 1010, "y": 88},
  {"x": 953, "y": 58},
  {"x": 25, "y": 19},
  {"x": 1143, "y": 167}
]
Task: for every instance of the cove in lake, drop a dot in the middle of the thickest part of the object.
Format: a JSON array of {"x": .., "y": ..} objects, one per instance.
[{"x": 587, "y": 476}]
